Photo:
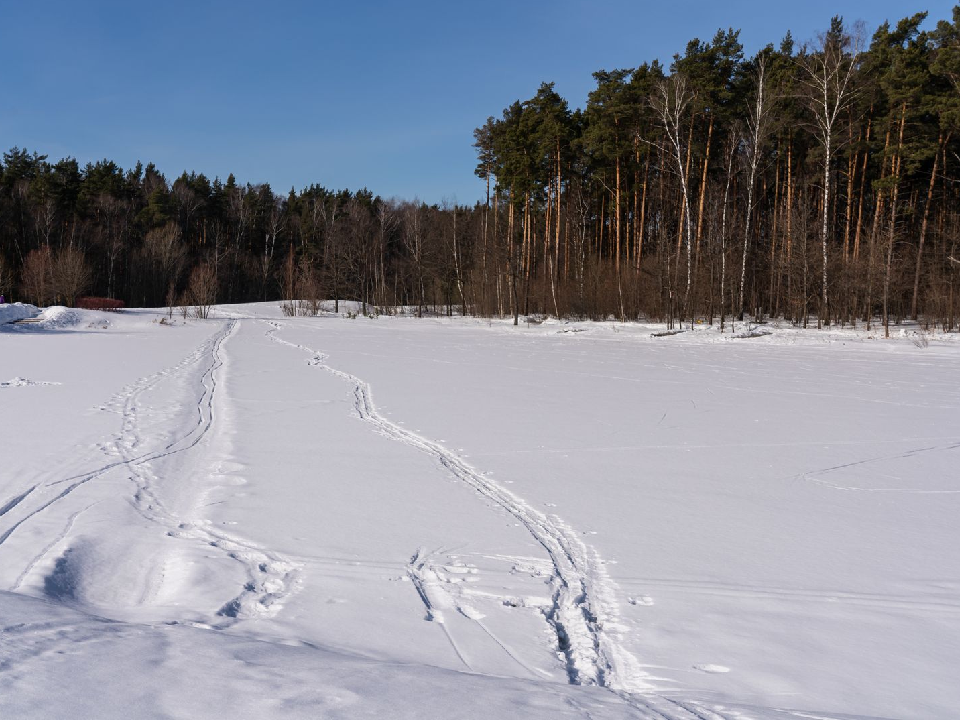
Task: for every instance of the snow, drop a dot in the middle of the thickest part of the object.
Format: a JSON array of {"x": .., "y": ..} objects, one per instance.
[
  {"x": 12, "y": 312},
  {"x": 261, "y": 516},
  {"x": 58, "y": 316}
]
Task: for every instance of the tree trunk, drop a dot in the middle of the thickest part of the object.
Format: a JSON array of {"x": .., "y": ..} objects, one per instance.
[
  {"x": 895, "y": 171},
  {"x": 828, "y": 139},
  {"x": 703, "y": 186},
  {"x": 923, "y": 227},
  {"x": 863, "y": 179}
]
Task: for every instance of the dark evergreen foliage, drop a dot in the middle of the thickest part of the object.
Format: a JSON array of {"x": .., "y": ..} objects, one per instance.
[{"x": 671, "y": 195}]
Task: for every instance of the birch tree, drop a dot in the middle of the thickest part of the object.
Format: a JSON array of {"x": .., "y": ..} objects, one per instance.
[
  {"x": 828, "y": 75},
  {"x": 757, "y": 124},
  {"x": 670, "y": 102}
]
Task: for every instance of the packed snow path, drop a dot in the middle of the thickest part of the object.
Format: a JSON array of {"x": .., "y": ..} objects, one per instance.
[{"x": 180, "y": 499}]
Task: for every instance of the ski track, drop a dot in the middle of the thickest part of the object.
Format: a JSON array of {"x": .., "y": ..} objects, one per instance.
[
  {"x": 431, "y": 585},
  {"x": 809, "y": 476},
  {"x": 126, "y": 401},
  {"x": 270, "y": 577},
  {"x": 434, "y": 599},
  {"x": 16, "y": 501},
  {"x": 49, "y": 547},
  {"x": 583, "y": 612}
]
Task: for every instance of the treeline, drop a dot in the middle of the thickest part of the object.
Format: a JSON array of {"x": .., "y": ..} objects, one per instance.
[
  {"x": 67, "y": 231},
  {"x": 816, "y": 182}
]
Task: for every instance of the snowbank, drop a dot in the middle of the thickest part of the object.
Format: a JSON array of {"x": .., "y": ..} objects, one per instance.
[
  {"x": 11, "y": 312},
  {"x": 59, "y": 316}
]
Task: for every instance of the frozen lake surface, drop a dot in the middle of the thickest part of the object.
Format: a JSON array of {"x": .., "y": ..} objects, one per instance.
[{"x": 257, "y": 516}]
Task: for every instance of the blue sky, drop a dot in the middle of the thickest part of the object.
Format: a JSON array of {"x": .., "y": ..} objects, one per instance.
[{"x": 383, "y": 94}]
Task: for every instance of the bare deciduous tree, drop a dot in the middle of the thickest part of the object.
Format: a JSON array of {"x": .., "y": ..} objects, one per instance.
[
  {"x": 71, "y": 275},
  {"x": 6, "y": 279},
  {"x": 827, "y": 75},
  {"x": 413, "y": 242},
  {"x": 670, "y": 102},
  {"x": 387, "y": 221},
  {"x": 36, "y": 281},
  {"x": 202, "y": 290},
  {"x": 168, "y": 255},
  {"x": 275, "y": 223},
  {"x": 309, "y": 294},
  {"x": 757, "y": 124}
]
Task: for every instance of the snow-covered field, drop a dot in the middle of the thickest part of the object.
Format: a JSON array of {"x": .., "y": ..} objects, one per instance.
[{"x": 257, "y": 516}]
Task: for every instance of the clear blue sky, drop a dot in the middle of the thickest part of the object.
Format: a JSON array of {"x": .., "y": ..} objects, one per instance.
[{"x": 384, "y": 94}]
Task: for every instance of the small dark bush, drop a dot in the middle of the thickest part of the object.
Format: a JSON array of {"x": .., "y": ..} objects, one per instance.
[{"x": 100, "y": 303}]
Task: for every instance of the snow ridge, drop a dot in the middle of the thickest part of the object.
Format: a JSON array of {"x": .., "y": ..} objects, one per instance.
[{"x": 583, "y": 613}]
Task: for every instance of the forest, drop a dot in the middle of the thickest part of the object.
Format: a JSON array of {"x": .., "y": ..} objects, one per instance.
[{"x": 815, "y": 182}]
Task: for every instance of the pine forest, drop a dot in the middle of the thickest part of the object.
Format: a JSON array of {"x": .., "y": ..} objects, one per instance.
[{"x": 815, "y": 182}]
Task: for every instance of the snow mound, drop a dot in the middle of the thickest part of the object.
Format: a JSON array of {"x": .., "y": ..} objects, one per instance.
[
  {"x": 11, "y": 312},
  {"x": 752, "y": 333},
  {"x": 59, "y": 316}
]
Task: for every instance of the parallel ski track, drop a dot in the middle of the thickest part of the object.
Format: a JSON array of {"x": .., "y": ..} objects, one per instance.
[
  {"x": 126, "y": 399},
  {"x": 583, "y": 612},
  {"x": 433, "y": 613},
  {"x": 419, "y": 570},
  {"x": 270, "y": 577}
]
